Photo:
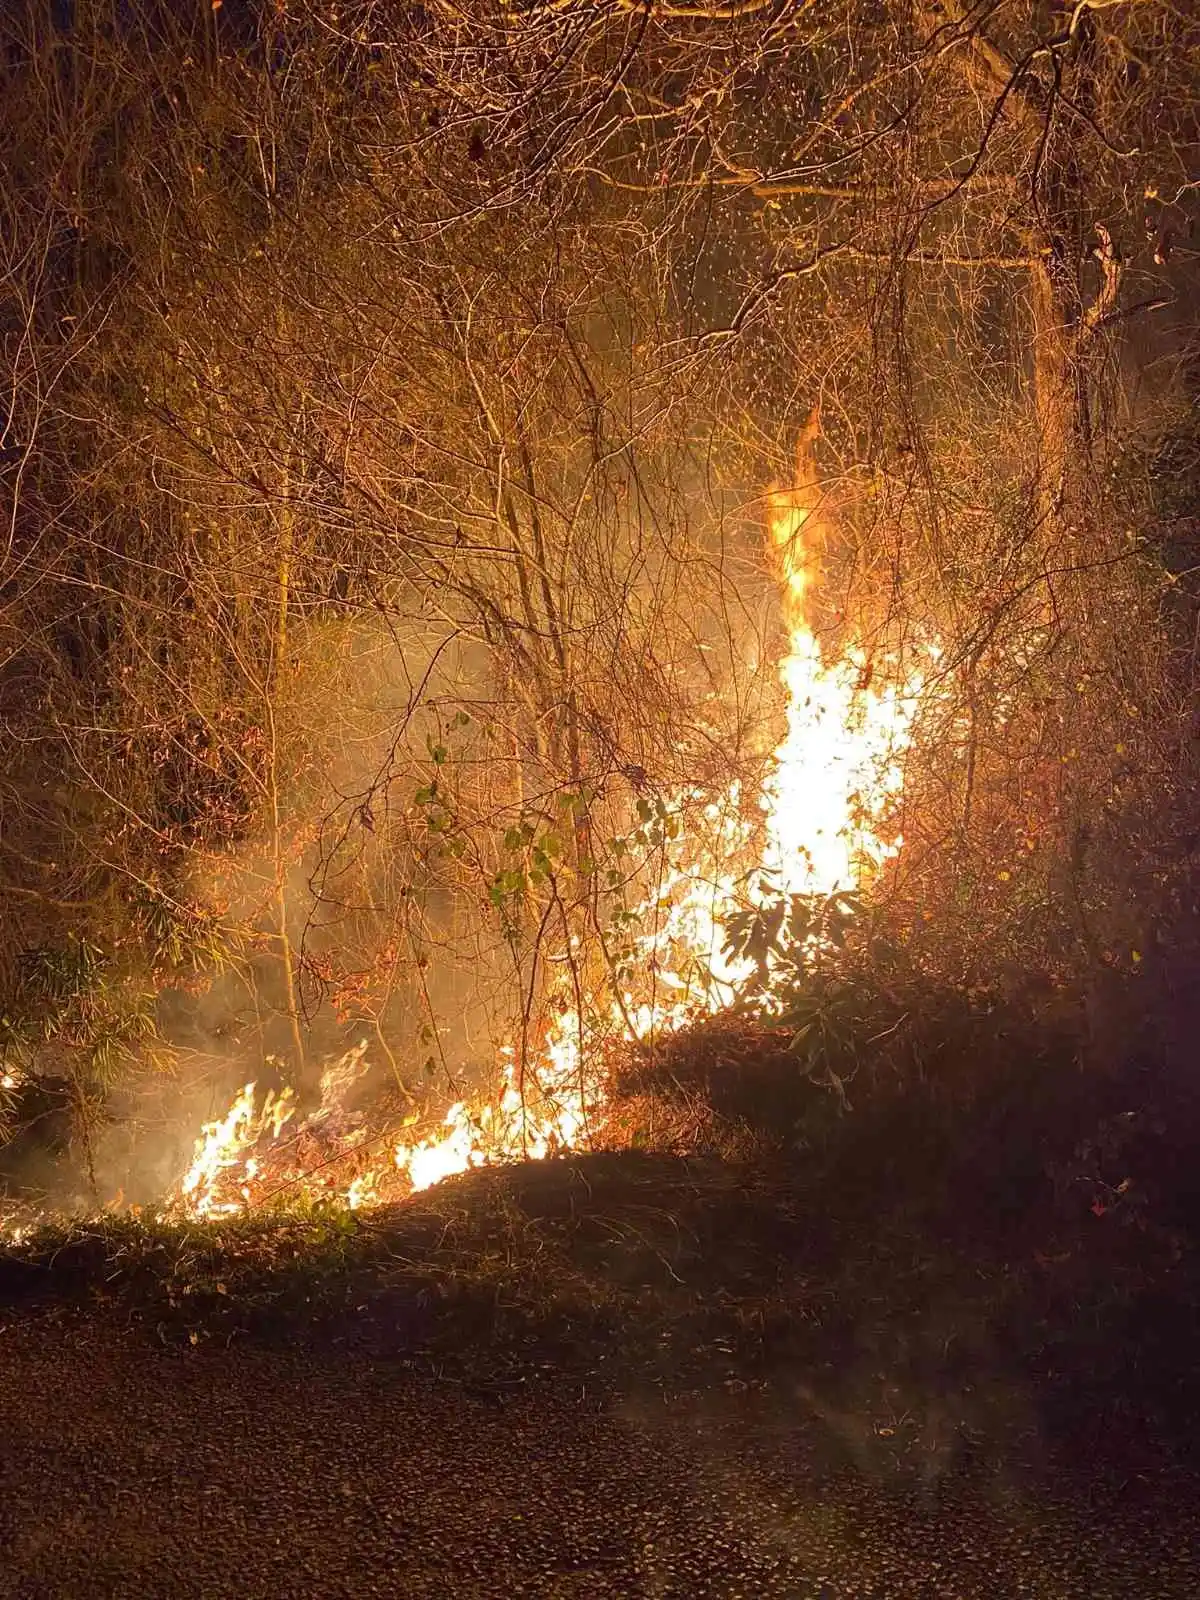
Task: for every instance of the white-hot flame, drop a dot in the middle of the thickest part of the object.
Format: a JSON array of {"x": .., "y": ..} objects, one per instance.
[
  {"x": 223, "y": 1149},
  {"x": 839, "y": 770}
]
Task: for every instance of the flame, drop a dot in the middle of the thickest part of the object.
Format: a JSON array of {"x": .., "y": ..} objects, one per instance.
[
  {"x": 840, "y": 768},
  {"x": 822, "y": 827},
  {"x": 236, "y": 1155},
  {"x": 838, "y": 772},
  {"x": 528, "y": 1121},
  {"x": 225, "y": 1147},
  {"x": 362, "y": 1191}
]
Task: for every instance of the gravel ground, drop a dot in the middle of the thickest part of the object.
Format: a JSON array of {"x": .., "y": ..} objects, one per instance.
[{"x": 324, "y": 1472}]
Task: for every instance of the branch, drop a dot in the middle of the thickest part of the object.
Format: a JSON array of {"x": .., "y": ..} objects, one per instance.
[
  {"x": 765, "y": 187},
  {"x": 1102, "y": 308},
  {"x": 763, "y": 291},
  {"x": 767, "y": 288},
  {"x": 992, "y": 64},
  {"x": 938, "y": 258},
  {"x": 728, "y": 12},
  {"x": 1158, "y": 302}
]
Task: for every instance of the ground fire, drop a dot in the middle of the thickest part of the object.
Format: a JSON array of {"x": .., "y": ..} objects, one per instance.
[{"x": 823, "y": 824}]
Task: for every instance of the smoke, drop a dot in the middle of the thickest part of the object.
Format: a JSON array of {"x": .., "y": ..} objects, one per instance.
[{"x": 383, "y": 949}]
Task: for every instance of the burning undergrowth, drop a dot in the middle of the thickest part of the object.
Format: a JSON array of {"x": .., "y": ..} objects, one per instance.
[
  {"x": 728, "y": 924},
  {"x": 360, "y": 1144},
  {"x": 711, "y": 902}
]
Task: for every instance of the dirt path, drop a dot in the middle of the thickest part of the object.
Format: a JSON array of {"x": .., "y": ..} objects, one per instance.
[{"x": 320, "y": 1472}]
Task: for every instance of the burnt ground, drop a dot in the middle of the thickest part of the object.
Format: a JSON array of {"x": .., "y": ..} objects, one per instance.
[{"x": 626, "y": 1374}]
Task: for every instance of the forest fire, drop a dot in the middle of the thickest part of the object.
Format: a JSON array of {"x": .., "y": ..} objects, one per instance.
[
  {"x": 599, "y": 797},
  {"x": 839, "y": 771},
  {"x": 225, "y": 1148},
  {"x": 825, "y": 808}
]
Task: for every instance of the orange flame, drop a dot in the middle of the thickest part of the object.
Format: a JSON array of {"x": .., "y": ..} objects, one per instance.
[{"x": 223, "y": 1152}]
